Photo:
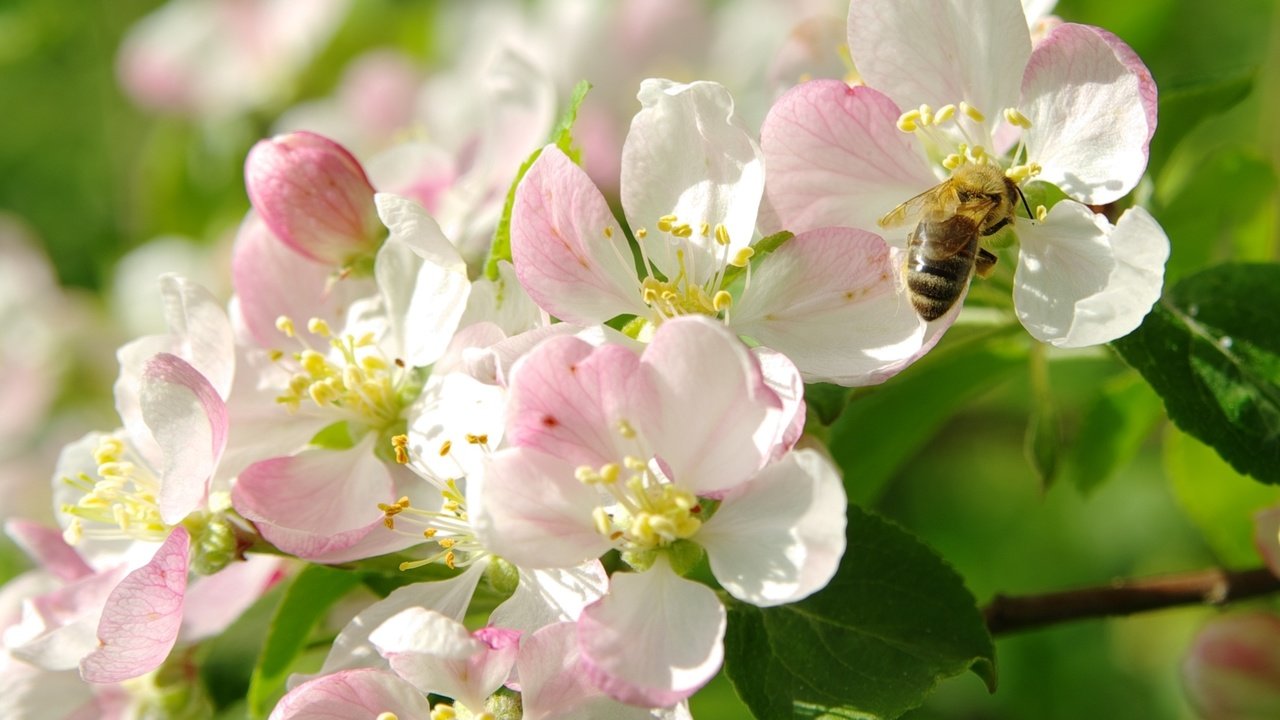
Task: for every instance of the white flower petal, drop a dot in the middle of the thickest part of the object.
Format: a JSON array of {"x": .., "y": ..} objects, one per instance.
[
  {"x": 941, "y": 51},
  {"x": 1092, "y": 105},
  {"x": 654, "y": 639},
  {"x": 1082, "y": 282},
  {"x": 688, "y": 155},
  {"x": 779, "y": 538},
  {"x": 551, "y": 596}
]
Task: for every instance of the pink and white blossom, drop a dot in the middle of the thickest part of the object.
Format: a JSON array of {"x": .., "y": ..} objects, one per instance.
[{"x": 1077, "y": 111}]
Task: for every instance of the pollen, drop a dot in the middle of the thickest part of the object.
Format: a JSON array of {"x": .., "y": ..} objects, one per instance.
[
  {"x": 400, "y": 443},
  {"x": 121, "y": 502}
]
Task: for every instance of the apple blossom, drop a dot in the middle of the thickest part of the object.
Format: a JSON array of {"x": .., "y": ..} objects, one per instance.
[
  {"x": 657, "y": 457},
  {"x": 691, "y": 184},
  {"x": 1077, "y": 112},
  {"x": 1232, "y": 669}
]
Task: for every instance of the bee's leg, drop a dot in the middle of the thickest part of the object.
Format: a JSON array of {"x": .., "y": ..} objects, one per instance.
[
  {"x": 996, "y": 227},
  {"x": 985, "y": 263}
]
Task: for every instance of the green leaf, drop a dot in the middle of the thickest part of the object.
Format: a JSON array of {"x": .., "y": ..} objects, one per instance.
[
  {"x": 1211, "y": 349},
  {"x": 310, "y": 595},
  {"x": 884, "y": 427},
  {"x": 826, "y": 401},
  {"x": 562, "y": 137},
  {"x": 1043, "y": 442},
  {"x": 1112, "y": 430},
  {"x": 892, "y": 623},
  {"x": 1182, "y": 108},
  {"x": 1220, "y": 501}
]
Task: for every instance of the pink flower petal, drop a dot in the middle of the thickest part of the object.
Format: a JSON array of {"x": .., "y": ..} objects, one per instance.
[
  {"x": 832, "y": 301},
  {"x": 837, "y": 158},
  {"x": 143, "y": 614},
  {"x": 941, "y": 51},
  {"x": 46, "y": 547},
  {"x": 199, "y": 323},
  {"x": 271, "y": 280},
  {"x": 689, "y": 155},
  {"x": 785, "y": 425},
  {"x": 363, "y": 693},
  {"x": 31, "y": 693},
  {"x": 566, "y": 398},
  {"x": 1232, "y": 669},
  {"x": 58, "y": 629},
  {"x": 320, "y": 504},
  {"x": 546, "y": 596},
  {"x": 189, "y": 422},
  {"x": 654, "y": 639},
  {"x": 1266, "y": 537},
  {"x": 552, "y": 685},
  {"x": 529, "y": 508},
  {"x": 1092, "y": 105},
  {"x": 781, "y": 536},
  {"x": 1082, "y": 282},
  {"x": 216, "y": 601},
  {"x": 568, "y": 250},
  {"x": 713, "y": 402}
]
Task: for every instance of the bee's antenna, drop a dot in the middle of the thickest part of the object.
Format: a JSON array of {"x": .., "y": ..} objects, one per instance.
[{"x": 1030, "y": 215}]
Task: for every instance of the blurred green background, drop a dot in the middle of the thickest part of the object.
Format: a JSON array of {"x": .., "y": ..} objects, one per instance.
[{"x": 94, "y": 177}]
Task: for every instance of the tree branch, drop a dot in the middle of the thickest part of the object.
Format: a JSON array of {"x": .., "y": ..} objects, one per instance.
[{"x": 1214, "y": 586}]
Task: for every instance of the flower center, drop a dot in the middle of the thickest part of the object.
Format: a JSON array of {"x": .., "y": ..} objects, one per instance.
[
  {"x": 448, "y": 527},
  {"x": 355, "y": 381},
  {"x": 959, "y": 134},
  {"x": 119, "y": 503},
  {"x": 681, "y": 293}
]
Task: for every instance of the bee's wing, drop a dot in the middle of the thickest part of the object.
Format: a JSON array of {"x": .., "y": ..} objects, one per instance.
[{"x": 937, "y": 201}]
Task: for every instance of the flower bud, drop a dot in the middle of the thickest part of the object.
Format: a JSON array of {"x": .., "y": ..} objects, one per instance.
[
  {"x": 1233, "y": 667},
  {"x": 315, "y": 197}
]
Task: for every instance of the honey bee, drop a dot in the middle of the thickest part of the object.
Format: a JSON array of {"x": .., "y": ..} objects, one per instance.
[{"x": 952, "y": 217}]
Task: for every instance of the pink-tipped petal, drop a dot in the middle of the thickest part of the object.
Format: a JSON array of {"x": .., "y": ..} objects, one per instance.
[
  {"x": 785, "y": 425},
  {"x": 832, "y": 301},
  {"x": 551, "y": 596},
  {"x": 362, "y": 693},
  {"x": 569, "y": 252},
  {"x": 780, "y": 538},
  {"x": 654, "y": 639},
  {"x": 437, "y": 654},
  {"x": 189, "y": 421},
  {"x": 422, "y": 279},
  {"x": 688, "y": 155},
  {"x": 553, "y": 686},
  {"x": 143, "y": 614},
  {"x": 713, "y": 401},
  {"x": 1092, "y": 105},
  {"x": 529, "y": 508},
  {"x": 46, "y": 547},
  {"x": 216, "y": 601},
  {"x": 837, "y": 158},
  {"x": 1266, "y": 537},
  {"x": 271, "y": 280},
  {"x": 1081, "y": 281},
  {"x": 199, "y": 323},
  {"x": 59, "y": 628},
  {"x": 941, "y": 51},
  {"x": 1232, "y": 669},
  {"x": 566, "y": 398},
  {"x": 320, "y": 504}
]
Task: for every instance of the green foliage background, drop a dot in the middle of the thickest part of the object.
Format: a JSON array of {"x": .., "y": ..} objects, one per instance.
[{"x": 1114, "y": 490}]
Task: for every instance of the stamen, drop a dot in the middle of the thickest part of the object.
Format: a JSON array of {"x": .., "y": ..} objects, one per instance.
[
  {"x": 722, "y": 234},
  {"x": 401, "y": 445},
  {"x": 722, "y": 301},
  {"x": 1041, "y": 212},
  {"x": 1015, "y": 117},
  {"x": 625, "y": 429},
  {"x": 974, "y": 113},
  {"x": 641, "y": 233},
  {"x": 742, "y": 257},
  {"x": 666, "y": 222},
  {"x": 317, "y": 326},
  {"x": 683, "y": 230},
  {"x": 704, "y": 229},
  {"x": 445, "y": 447},
  {"x": 285, "y": 325},
  {"x": 608, "y": 232},
  {"x": 909, "y": 121},
  {"x": 945, "y": 113}
]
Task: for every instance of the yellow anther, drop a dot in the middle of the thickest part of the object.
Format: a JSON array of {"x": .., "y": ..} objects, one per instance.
[
  {"x": 634, "y": 463},
  {"x": 608, "y": 231},
  {"x": 285, "y": 325},
  {"x": 365, "y": 340},
  {"x": 481, "y": 439},
  {"x": 447, "y": 543},
  {"x": 451, "y": 560},
  {"x": 742, "y": 257},
  {"x": 649, "y": 295},
  {"x": 666, "y": 222},
  {"x": 443, "y": 712},
  {"x": 275, "y": 355},
  {"x": 945, "y": 113},
  {"x": 642, "y": 233},
  {"x": 722, "y": 300},
  {"x": 314, "y": 363},
  {"x": 609, "y": 473},
  {"x": 602, "y": 521},
  {"x": 321, "y": 393},
  {"x": 445, "y": 447},
  {"x": 429, "y": 533},
  {"x": 387, "y": 716},
  {"x": 317, "y": 326},
  {"x": 401, "y": 445},
  {"x": 978, "y": 154},
  {"x": 683, "y": 230},
  {"x": 1015, "y": 117},
  {"x": 722, "y": 234},
  {"x": 586, "y": 475},
  {"x": 974, "y": 113},
  {"x": 952, "y": 161},
  {"x": 926, "y": 114},
  {"x": 909, "y": 121},
  {"x": 1041, "y": 212},
  {"x": 373, "y": 363},
  {"x": 625, "y": 429},
  {"x": 704, "y": 229},
  {"x": 108, "y": 450}
]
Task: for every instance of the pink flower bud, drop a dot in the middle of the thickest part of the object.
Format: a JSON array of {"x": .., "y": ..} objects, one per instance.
[
  {"x": 1232, "y": 670},
  {"x": 314, "y": 196}
]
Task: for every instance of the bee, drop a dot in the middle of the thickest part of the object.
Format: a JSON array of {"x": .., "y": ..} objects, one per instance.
[{"x": 944, "y": 250}]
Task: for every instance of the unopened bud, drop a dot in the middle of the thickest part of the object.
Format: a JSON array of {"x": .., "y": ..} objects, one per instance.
[
  {"x": 314, "y": 196},
  {"x": 1233, "y": 667}
]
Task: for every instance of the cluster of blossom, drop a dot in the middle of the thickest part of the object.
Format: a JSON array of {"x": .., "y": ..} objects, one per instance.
[{"x": 368, "y": 392}]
